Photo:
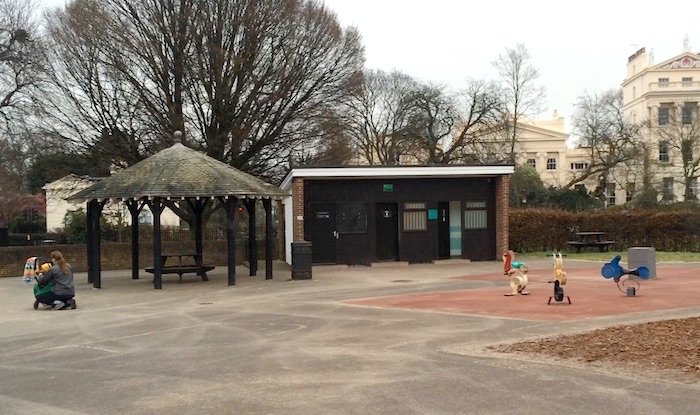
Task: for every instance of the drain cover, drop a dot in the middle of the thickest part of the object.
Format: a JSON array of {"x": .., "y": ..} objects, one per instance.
[{"x": 206, "y": 303}]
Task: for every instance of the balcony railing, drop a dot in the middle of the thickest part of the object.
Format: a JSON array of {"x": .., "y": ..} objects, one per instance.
[{"x": 665, "y": 86}]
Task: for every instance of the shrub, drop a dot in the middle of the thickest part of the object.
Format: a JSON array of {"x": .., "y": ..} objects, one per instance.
[{"x": 549, "y": 229}]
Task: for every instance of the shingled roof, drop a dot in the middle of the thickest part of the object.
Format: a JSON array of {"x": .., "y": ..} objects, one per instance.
[{"x": 179, "y": 172}]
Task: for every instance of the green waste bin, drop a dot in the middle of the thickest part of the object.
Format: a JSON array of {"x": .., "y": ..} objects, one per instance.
[{"x": 301, "y": 260}]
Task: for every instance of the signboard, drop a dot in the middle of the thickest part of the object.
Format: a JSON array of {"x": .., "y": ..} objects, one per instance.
[
  {"x": 432, "y": 214},
  {"x": 388, "y": 187}
]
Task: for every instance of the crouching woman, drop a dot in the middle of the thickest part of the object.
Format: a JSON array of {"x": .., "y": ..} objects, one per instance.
[{"x": 63, "y": 291}]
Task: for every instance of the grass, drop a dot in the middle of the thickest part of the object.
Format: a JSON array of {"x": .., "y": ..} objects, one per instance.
[{"x": 607, "y": 256}]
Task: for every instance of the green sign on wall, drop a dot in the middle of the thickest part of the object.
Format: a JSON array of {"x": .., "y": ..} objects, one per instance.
[
  {"x": 432, "y": 214},
  {"x": 388, "y": 187}
]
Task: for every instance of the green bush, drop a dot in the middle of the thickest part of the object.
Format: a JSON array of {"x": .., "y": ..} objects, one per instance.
[
  {"x": 549, "y": 229},
  {"x": 75, "y": 227}
]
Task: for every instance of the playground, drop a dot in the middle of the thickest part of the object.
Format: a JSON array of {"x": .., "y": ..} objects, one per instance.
[
  {"x": 415, "y": 339},
  {"x": 591, "y": 295}
]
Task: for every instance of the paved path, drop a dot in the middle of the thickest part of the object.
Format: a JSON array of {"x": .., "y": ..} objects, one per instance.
[{"x": 300, "y": 347}]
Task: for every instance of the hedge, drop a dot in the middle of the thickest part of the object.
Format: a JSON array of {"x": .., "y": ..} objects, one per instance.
[{"x": 536, "y": 229}]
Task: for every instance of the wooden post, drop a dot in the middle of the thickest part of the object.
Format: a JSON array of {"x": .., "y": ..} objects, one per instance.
[
  {"x": 267, "y": 204},
  {"x": 231, "y": 226},
  {"x": 90, "y": 241},
  {"x": 252, "y": 241},
  {"x": 134, "y": 210},
  {"x": 198, "y": 207},
  {"x": 156, "y": 209},
  {"x": 94, "y": 243}
]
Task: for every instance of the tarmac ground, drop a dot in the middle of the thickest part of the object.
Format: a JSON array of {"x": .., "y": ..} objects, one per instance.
[{"x": 391, "y": 339}]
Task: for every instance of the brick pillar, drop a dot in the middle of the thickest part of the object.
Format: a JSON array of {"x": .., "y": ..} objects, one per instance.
[
  {"x": 298, "y": 208},
  {"x": 502, "y": 214}
]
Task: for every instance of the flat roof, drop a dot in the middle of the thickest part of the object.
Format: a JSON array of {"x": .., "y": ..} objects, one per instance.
[{"x": 386, "y": 172}]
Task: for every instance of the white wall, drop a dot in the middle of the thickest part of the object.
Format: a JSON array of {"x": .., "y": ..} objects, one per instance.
[{"x": 57, "y": 206}]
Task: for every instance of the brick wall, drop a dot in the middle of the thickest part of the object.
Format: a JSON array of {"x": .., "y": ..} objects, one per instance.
[
  {"x": 118, "y": 255},
  {"x": 298, "y": 208},
  {"x": 502, "y": 214}
]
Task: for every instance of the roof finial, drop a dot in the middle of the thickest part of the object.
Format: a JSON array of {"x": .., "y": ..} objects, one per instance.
[
  {"x": 178, "y": 137},
  {"x": 686, "y": 43}
]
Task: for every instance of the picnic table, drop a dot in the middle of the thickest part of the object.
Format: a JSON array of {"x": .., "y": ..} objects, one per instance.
[
  {"x": 183, "y": 265},
  {"x": 590, "y": 239}
]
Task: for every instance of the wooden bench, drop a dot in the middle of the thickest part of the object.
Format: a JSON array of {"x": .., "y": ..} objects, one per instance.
[
  {"x": 180, "y": 268},
  {"x": 601, "y": 245},
  {"x": 185, "y": 269}
]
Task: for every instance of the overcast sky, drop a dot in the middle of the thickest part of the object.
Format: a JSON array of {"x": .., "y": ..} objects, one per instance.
[{"x": 576, "y": 46}]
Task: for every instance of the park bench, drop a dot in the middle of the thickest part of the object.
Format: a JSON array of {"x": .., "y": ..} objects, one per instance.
[
  {"x": 601, "y": 245},
  {"x": 180, "y": 268},
  {"x": 590, "y": 239}
]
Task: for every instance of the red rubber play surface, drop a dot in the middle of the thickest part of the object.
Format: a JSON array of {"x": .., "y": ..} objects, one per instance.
[{"x": 591, "y": 296}]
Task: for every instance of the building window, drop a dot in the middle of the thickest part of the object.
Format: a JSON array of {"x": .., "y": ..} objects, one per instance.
[
  {"x": 630, "y": 192},
  {"x": 634, "y": 92},
  {"x": 610, "y": 193},
  {"x": 145, "y": 218},
  {"x": 668, "y": 189},
  {"x": 415, "y": 217},
  {"x": 693, "y": 189},
  {"x": 663, "y": 115},
  {"x": 687, "y": 81},
  {"x": 532, "y": 163},
  {"x": 663, "y": 82},
  {"x": 352, "y": 218},
  {"x": 687, "y": 113},
  {"x": 687, "y": 151},
  {"x": 475, "y": 215},
  {"x": 579, "y": 166},
  {"x": 551, "y": 164},
  {"x": 663, "y": 152}
]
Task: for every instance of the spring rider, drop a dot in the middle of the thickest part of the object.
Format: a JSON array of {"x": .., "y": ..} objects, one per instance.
[
  {"x": 614, "y": 270},
  {"x": 559, "y": 279},
  {"x": 517, "y": 273}
]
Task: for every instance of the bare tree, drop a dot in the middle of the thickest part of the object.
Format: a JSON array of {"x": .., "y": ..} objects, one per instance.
[
  {"x": 642, "y": 170},
  {"x": 478, "y": 110},
  {"x": 610, "y": 139},
  {"x": 243, "y": 78},
  {"x": 21, "y": 58},
  {"x": 151, "y": 43},
  {"x": 522, "y": 96},
  {"x": 332, "y": 145},
  {"x": 89, "y": 107},
  {"x": 248, "y": 81},
  {"x": 679, "y": 132},
  {"x": 266, "y": 73},
  {"x": 13, "y": 155},
  {"x": 378, "y": 116},
  {"x": 431, "y": 123},
  {"x": 21, "y": 66}
]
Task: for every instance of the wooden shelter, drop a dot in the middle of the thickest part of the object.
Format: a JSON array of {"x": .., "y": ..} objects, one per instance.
[{"x": 179, "y": 174}]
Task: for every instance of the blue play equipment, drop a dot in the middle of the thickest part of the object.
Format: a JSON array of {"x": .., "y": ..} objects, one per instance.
[{"x": 614, "y": 270}]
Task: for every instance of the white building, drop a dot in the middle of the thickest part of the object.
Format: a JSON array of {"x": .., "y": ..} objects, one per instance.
[
  {"x": 543, "y": 145},
  {"x": 665, "y": 98},
  {"x": 57, "y": 206}
]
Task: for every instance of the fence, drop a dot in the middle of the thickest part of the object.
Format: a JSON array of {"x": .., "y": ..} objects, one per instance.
[{"x": 210, "y": 233}]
